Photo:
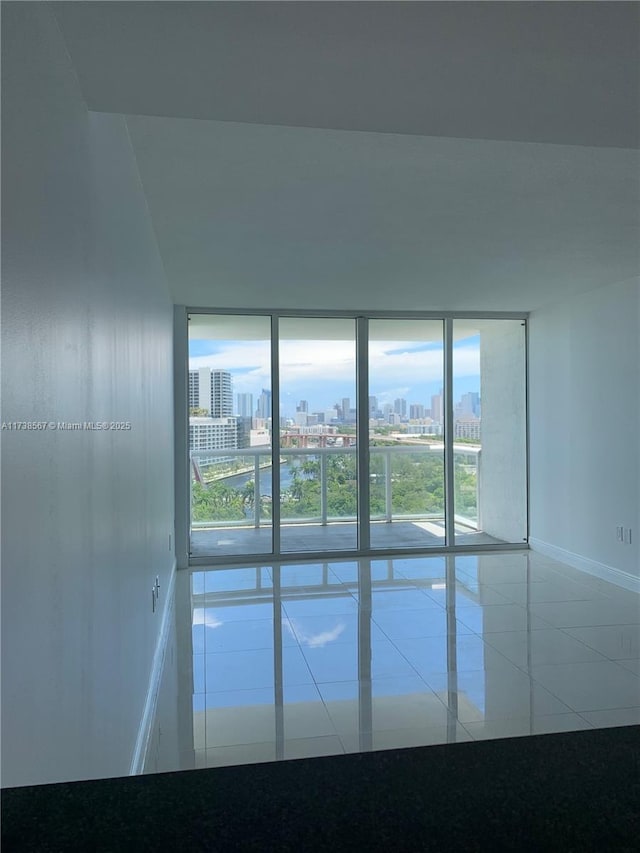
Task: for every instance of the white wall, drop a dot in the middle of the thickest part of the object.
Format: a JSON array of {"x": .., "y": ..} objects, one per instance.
[
  {"x": 87, "y": 336},
  {"x": 584, "y": 367},
  {"x": 171, "y": 741},
  {"x": 503, "y": 466}
]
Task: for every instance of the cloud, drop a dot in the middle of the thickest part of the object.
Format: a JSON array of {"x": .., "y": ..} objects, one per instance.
[
  {"x": 205, "y": 616},
  {"x": 466, "y": 361},
  {"x": 392, "y": 394},
  {"x": 316, "y": 641},
  {"x": 324, "y": 371},
  {"x": 410, "y": 348}
]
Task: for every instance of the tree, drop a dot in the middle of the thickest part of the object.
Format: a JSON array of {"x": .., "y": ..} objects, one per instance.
[
  {"x": 417, "y": 487},
  {"x": 216, "y": 502},
  {"x": 310, "y": 467},
  {"x": 249, "y": 493}
]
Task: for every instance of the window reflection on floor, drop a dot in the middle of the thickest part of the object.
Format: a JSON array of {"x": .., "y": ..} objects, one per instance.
[{"x": 324, "y": 658}]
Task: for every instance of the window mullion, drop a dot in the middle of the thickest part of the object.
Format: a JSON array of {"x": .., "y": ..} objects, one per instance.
[
  {"x": 275, "y": 434},
  {"x": 362, "y": 442},
  {"x": 448, "y": 434}
]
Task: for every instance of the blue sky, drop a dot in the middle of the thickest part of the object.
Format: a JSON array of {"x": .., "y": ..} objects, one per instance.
[{"x": 323, "y": 372}]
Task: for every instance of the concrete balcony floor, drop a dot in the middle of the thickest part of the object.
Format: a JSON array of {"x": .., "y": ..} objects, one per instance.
[{"x": 337, "y": 536}]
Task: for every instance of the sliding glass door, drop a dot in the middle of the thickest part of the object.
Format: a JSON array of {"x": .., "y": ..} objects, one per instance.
[
  {"x": 316, "y": 435},
  {"x": 318, "y": 416},
  {"x": 230, "y": 435},
  {"x": 406, "y": 434}
]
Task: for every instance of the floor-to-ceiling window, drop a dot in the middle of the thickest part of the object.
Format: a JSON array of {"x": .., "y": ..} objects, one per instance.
[
  {"x": 332, "y": 434},
  {"x": 318, "y": 416},
  {"x": 230, "y": 431},
  {"x": 406, "y": 433}
]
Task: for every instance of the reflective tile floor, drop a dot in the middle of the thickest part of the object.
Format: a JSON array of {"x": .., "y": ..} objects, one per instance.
[{"x": 315, "y": 659}]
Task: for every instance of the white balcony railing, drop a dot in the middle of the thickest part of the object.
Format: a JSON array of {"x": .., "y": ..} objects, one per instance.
[{"x": 225, "y": 466}]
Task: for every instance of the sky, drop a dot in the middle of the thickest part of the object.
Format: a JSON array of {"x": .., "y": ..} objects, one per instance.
[{"x": 323, "y": 372}]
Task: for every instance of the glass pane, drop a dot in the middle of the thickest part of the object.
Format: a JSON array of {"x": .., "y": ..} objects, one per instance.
[
  {"x": 489, "y": 431},
  {"x": 230, "y": 434},
  {"x": 318, "y": 481},
  {"x": 406, "y": 433}
]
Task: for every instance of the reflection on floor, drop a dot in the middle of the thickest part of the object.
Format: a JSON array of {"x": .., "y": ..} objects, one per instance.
[
  {"x": 322, "y": 658},
  {"x": 316, "y": 538}
]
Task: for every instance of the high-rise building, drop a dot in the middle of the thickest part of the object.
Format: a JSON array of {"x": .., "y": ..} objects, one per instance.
[
  {"x": 416, "y": 411},
  {"x": 331, "y": 415},
  {"x": 221, "y": 394},
  {"x": 400, "y": 406},
  {"x": 346, "y": 408},
  {"x": 244, "y": 431},
  {"x": 373, "y": 407},
  {"x": 470, "y": 403},
  {"x": 211, "y": 390},
  {"x": 263, "y": 409},
  {"x": 194, "y": 389},
  {"x": 437, "y": 408},
  {"x": 244, "y": 405},
  {"x": 303, "y": 406}
]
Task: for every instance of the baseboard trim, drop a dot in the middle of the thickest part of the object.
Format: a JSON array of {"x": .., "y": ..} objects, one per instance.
[
  {"x": 583, "y": 564},
  {"x": 151, "y": 701}
]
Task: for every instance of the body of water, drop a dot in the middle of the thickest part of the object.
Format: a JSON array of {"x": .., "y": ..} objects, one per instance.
[{"x": 240, "y": 480}]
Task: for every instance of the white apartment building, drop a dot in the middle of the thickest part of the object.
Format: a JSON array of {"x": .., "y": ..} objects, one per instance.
[
  {"x": 213, "y": 433},
  {"x": 424, "y": 429},
  {"x": 467, "y": 428},
  {"x": 312, "y": 429},
  {"x": 211, "y": 390}
]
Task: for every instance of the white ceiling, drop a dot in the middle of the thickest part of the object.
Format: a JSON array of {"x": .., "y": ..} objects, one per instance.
[
  {"x": 274, "y": 217},
  {"x": 440, "y": 156},
  {"x": 535, "y": 72}
]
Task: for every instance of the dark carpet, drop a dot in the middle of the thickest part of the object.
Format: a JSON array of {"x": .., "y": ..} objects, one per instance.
[{"x": 577, "y": 791}]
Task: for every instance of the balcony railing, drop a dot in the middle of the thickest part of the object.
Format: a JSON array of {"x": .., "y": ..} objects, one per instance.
[{"x": 245, "y": 478}]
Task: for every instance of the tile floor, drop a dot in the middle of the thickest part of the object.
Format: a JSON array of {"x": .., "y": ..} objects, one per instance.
[{"x": 322, "y": 658}]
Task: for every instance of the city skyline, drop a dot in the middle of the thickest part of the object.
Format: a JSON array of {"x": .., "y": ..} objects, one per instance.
[
  {"x": 211, "y": 394},
  {"x": 323, "y": 373}
]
